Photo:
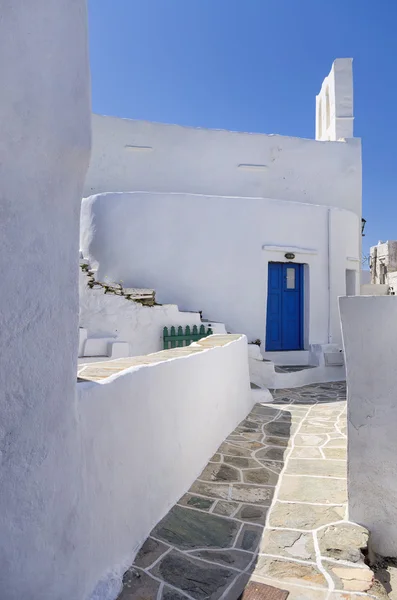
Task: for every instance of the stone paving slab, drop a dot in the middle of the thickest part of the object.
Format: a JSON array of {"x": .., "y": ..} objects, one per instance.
[{"x": 270, "y": 507}]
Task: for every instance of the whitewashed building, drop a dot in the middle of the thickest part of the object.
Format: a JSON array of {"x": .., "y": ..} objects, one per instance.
[{"x": 260, "y": 232}]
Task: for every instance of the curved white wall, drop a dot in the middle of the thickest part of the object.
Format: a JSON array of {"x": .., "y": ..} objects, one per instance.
[
  {"x": 211, "y": 253},
  {"x": 132, "y": 155},
  {"x": 45, "y": 139}
]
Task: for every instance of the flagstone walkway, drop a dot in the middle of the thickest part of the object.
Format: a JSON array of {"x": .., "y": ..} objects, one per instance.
[{"x": 269, "y": 507}]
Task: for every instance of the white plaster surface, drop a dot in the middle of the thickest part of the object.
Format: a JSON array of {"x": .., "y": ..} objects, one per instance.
[
  {"x": 334, "y": 103},
  {"x": 44, "y": 154},
  {"x": 365, "y": 277},
  {"x": 369, "y": 327},
  {"x": 216, "y": 162},
  {"x": 293, "y": 357},
  {"x": 263, "y": 374},
  {"x": 139, "y": 433},
  {"x": 211, "y": 253},
  {"x": 109, "y": 318},
  {"x": 374, "y": 289}
]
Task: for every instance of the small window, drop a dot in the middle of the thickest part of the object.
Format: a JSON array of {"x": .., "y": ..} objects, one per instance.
[{"x": 290, "y": 278}]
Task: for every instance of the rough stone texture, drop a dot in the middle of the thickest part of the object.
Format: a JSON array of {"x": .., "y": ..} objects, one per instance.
[
  {"x": 249, "y": 538},
  {"x": 149, "y": 553},
  {"x": 170, "y": 594},
  {"x": 138, "y": 585},
  {"x": 196, "y": 577},
  {"x": 310, "y": 440},
  {"x": 337, "y": 453},
  {"x": 350, "y": 579},
  {"x": 277, "y": 441},
  {"x": 326, "y": 468},
  {"x": 239, "y": 493},
  {"x": 219, "y": 525},
  {"x": 278, "y": 428},
  {"x": 196, "y": 502},
  {"x": 337, "y": 442},
  {"x": 261, "y": 476},
  {"x": 252, "y": 494},
  {"x": 343, "y": 542},
  {"x": 188, "y": 529},
  {"x": 271, "y": 453},
  {"x": 272, "y": 465},
  {"x": 232, "y": 450},
  {"x": 292, "y": 544},
  {"x": 228, "y": 558},
  {"x": 293, "y": 572},
  {"x": 252, "y": 514},
  {"x": 306, "y": 452},
  {"x": 304, "y": 516},
  {"x": 220, "y": 472},
  {"x": 242, "y": 463},
  {"x": 225, "y": 508},
  {"x": 313, "y": 489}
]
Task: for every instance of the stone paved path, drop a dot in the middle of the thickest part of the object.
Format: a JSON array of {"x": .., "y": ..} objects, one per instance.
[{"x": 269, "y": 507}]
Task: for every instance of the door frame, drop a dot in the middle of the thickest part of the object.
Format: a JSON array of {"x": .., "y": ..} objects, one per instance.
[{"x": 301, "y": 299}]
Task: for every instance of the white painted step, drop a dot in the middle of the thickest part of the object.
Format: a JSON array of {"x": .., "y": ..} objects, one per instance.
[{"x": 292, "y": 358}]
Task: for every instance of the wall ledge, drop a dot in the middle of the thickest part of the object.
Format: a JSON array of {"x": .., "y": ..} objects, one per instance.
[{"x": 293, "y": 249}]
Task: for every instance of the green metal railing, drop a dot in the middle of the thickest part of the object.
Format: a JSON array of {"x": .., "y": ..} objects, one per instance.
[{"x": 177, "y": 338}]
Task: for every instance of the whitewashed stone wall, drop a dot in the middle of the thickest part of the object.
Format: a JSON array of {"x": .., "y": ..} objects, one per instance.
[
  {"x": 44, "y": 147},
  {"x": 114, "y": 317},
  {"x": 369, "y": 327},
  {"x": 140, "y": 433}
]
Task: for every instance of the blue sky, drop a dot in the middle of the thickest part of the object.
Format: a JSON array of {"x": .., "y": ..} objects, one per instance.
[{"x": 254, "y": 65}]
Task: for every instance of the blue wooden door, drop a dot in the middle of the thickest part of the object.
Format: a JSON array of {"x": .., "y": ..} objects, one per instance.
[{"x": 284, "y": 323}]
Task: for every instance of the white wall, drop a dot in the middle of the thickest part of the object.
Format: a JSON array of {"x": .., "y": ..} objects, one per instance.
[
  {"x": 370, "y": 339},
  {"x": 365, "y": 277},
  {"x": 44, "y": 148},
  {"x": 211, "y": 253},
  {"x": 334, "y": 103},
  {"x": 171, "y": 158},
  {"x": 137, "y": 427},
  {"x": 374, "y": 289},
  {"x": 110, "y": 316}
]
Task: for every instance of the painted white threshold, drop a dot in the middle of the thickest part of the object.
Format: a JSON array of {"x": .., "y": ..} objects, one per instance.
[{"x": 293, "y": 249}]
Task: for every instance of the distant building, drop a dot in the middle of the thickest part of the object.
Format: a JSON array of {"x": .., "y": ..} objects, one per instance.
[{"x": 383, "y": 265}]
